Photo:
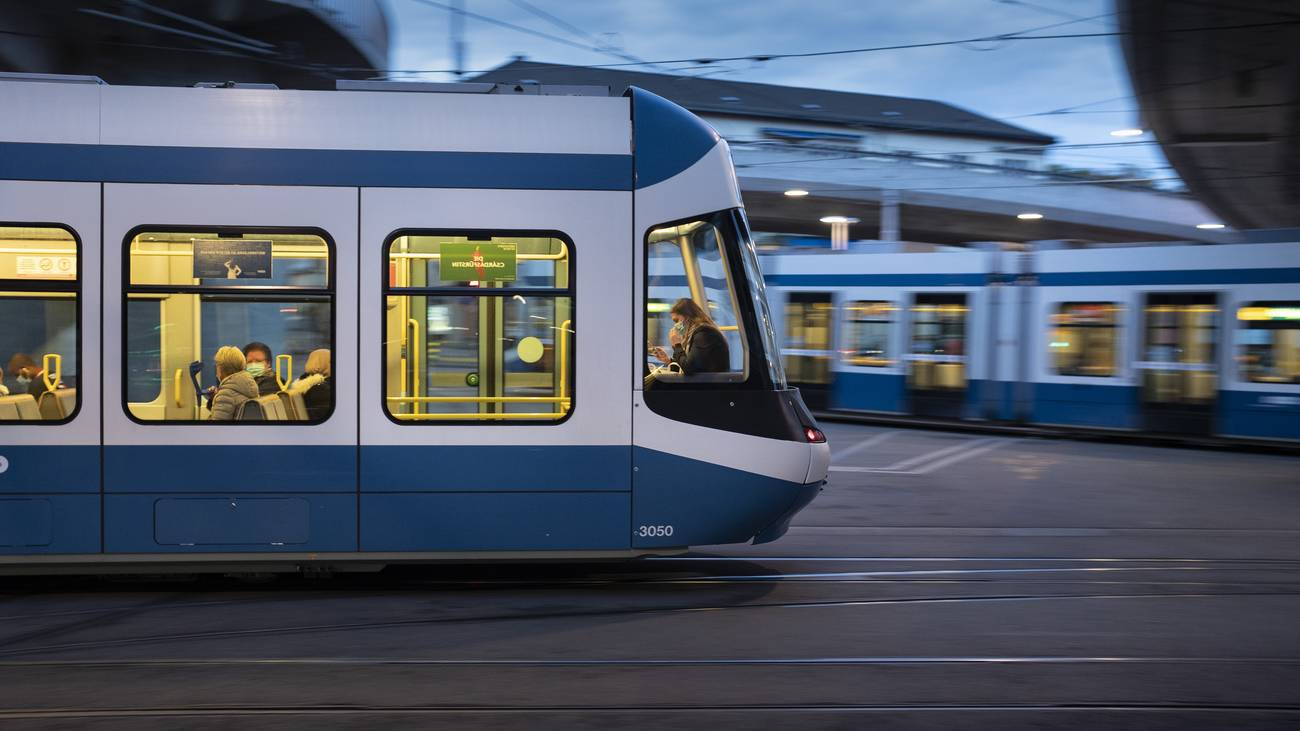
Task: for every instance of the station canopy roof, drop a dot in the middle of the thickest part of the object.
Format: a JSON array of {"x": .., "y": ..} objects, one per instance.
[{"x": 747, "y": 99}]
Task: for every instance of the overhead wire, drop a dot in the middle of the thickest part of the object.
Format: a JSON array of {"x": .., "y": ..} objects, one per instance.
[{"x": 1017, "y": 36}]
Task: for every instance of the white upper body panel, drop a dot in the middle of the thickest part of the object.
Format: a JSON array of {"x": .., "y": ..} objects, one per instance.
[{"x": 324, "y": 120}]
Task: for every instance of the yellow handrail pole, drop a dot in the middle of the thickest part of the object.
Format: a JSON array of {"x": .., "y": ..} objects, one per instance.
[
  {"x": 478, "y": 416},
  {"x": 479, "y": 399},
  {"x": 527, "y": 257},
  {"x": 413, "y": 327},
  {"x": 176, "y": 387},
  {"x": 288, "y": 371},
  {"x": 57, "y": 360},
  {"x": 564, "y": 361}
]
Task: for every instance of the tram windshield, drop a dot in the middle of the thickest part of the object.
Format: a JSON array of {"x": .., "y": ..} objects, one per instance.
[
  {"x": 39, "y": 363},
  {"x": 706, "y": 308}
]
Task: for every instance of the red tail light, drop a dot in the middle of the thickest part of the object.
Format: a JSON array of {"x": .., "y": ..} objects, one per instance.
[{"x": 815, "y": 435}]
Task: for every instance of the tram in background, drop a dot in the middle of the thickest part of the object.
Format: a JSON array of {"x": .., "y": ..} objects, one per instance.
[
  {"x": 480, "y": 273},
  {"x": 1169, "y": 339}
]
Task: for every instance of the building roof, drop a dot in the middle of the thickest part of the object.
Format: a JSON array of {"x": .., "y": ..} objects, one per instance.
[{"x": 747, "y": 99}]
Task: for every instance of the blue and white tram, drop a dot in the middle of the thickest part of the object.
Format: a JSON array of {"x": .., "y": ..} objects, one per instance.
[
  {"x": 1172, "y": 339},
  {"x": 445, "y": 302}
]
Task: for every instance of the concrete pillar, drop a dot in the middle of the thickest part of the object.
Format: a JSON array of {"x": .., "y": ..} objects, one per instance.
[
  {"x": 840, "y": 236},
  {"x": 889, "y": 224}
]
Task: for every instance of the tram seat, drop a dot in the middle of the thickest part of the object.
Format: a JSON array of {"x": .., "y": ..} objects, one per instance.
[
  {"x": 295, "y": 405},
  {"x": 250, "y": 411},
  {"x": 19, "y": 406},
  {"x": 55, "y": 405},
  {"x": 273, "y": 408}
]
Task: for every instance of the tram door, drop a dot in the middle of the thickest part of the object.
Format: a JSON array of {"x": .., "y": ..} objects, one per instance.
[
  {"x": 49, "y": 350},
  {"x": 807, "y": 349},
  {"x": 936, "y": 369},
  {"x": 200, "y": 276},
  {"x": 1178, "y": 373}
]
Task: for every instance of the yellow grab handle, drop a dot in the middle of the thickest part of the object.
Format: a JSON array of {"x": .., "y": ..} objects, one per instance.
[
  {"x": 413, "y": 344},
  {"x": 563, "y": 357},
  {"x": 57, "y": 368},
  {"x": 288, "y": 371},
  {"x": 176, "y": 388}
]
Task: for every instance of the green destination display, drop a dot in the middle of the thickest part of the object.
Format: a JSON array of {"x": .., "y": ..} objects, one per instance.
[{"x": 477, "y": 261}]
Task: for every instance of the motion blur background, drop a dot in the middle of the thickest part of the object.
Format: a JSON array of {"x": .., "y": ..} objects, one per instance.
[{"x": 987, "y": 225}]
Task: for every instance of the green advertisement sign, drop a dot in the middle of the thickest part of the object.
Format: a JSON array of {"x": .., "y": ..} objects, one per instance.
[{"x": 477, "y": 261}]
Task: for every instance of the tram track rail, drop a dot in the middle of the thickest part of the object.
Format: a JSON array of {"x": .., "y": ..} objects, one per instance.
[
  {"x": 7, "y": 650},
  {"x": 208, "y": 711}
]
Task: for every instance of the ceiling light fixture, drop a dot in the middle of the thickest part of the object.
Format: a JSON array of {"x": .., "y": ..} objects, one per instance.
[
  {"x": 796, "y": 193},
  {"x": 1210, "y": 226},
  {"x": 1029, "y": 216},
  {"x": 1128, "y": 132}
]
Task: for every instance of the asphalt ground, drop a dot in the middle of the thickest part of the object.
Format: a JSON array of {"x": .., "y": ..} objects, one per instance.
[{"x": 942, "y": 581}]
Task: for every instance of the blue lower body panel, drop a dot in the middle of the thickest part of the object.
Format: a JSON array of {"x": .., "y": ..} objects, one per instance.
[
  {"x": 72, "y": 468},
  {"x": 562, "y": 468},
  {"x": 485, "y": 521},
  {"x": 1111, "y": 407},
  {"x": 1260, "y": 414},
  {"x": 869, "y": 392},
  {"x": 246, "y": 522},
  {"x": 212, "y": 468},
  {"x": 686, "y": 502},
  {"x": 35, "y": 524}
]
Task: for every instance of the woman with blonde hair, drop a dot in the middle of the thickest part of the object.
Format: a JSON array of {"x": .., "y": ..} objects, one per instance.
[
  {"x": 235, "y": 386},
  {"x": 698, "y": 345},
  {"x": 316, "y": 385}
]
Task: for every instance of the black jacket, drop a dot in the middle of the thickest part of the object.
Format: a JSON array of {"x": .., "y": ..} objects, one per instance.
[
  {"x": 704, "y": 351},
  {"x": 317, "y": 395},
  {"x": 266, "y": 383}
]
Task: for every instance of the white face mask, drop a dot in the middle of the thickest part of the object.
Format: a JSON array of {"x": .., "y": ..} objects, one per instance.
[
  {"x": 23, "y": 380},
  {"x": 256, "y": 369}
]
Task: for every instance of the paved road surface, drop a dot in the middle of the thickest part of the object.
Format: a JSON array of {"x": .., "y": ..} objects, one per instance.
[{"x": 942, "y": 581}]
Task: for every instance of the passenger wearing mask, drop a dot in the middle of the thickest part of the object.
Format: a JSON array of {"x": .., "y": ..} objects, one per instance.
[
  {"x": 4, "y": 390},
  {"x": 316, "y": 385},
  {"x": 698, "y": 345},
  {"x": 261, "y": 366},
  {"x": 28, "y": 375},
  {"x": 236, "y": 388}
]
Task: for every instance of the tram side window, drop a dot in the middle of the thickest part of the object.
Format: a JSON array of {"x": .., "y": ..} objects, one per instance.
[
  {"x": 866, "y": 337},
  {"x": 689, "y": 280},
  {"x": 191, "y": 292},
  {"x": 479, "y": 328},
  {"x": 39, "y": 318},
  {"x": 1268, "y": 338},
  {"x": 1083, "y": 338},
  {"x": 937, "y": 360}
]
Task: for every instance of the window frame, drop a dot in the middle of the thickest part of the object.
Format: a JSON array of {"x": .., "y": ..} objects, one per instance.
[
  {"x": 1115, "y": 327},
  {"x": 570, "y": 290},
  {"x": 42, "y": 285},
  {"x": 1243, "y": 375},
  {"x": 746, "y": 318},
  {"x": 255, "y": 293},
  {"x": 850, "y": 343}
]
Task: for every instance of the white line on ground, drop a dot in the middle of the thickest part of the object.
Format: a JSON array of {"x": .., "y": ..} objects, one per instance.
[
  {"x": 931, "y": 461},
  {"x": 953, "y": 459},
  {"x": 871, "y": 442}
]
